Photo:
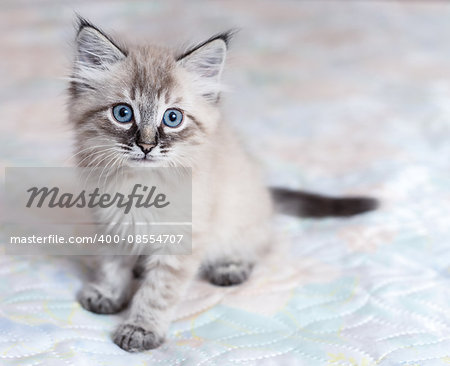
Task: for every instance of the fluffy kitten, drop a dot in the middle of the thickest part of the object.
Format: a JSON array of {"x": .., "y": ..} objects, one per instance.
[{"x": 147, "y": 106}]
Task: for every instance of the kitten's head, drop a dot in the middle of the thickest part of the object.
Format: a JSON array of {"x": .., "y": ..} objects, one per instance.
[{"x": 143, "y": 105}]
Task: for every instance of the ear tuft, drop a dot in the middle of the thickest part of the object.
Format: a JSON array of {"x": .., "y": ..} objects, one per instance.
[
  {"x": 95, "y": 50},
  {"x": 224, "y": 36},
  {"x": 82, "y": 23},
  {"x": 206, "y": 61}
]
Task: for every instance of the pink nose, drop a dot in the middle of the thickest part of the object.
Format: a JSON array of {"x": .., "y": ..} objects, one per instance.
[{"x": 146, "y": 148}]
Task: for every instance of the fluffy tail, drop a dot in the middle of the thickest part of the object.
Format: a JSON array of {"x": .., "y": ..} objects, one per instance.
[{"x": 304, "y": 204}]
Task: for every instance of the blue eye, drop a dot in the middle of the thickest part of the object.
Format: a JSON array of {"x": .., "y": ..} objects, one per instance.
[
  {"x": 172, "y": 117},
  {"x": 123, "y": 113}
]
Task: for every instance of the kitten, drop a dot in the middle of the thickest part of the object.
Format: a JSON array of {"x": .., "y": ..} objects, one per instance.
[{"x": 147, "y": 106}]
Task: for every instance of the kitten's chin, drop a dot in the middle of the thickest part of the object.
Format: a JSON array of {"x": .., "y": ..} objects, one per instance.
[{"x": 144, "y": 163}]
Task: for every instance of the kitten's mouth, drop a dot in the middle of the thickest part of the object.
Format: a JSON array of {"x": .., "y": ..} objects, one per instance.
[{"x": 144, "y": 160}]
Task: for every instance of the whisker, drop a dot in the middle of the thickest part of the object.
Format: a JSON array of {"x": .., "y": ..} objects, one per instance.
[
  {"x": 108, "y": 170},
  {"x": 105, "y": 156},
  {"x": 95, "y": 154},
  {"x": 81, "y": 151}
]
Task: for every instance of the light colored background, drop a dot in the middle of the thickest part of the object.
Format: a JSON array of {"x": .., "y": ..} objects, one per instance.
[{"x": 331, "y": 96}]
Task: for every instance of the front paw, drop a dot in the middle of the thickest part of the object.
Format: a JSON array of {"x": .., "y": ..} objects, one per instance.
[
  {"x": 92, "y": 299},
  {"x": 133, "y": 338},
  {"x": 227, "y": 273}
]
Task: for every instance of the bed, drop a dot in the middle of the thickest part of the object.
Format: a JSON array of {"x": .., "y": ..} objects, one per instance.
[{"x": 333, "y": 97}]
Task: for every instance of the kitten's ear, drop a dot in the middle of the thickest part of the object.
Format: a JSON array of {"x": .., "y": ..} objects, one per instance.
[
  {"x": 206, "y": 61},
  {"x": 94, "y": 48}
]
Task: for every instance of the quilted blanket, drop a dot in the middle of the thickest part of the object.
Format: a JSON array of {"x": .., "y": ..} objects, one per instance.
[{"x": 332, "y": 96}]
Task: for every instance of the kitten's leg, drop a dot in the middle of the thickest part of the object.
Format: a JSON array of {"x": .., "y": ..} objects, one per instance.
[
  {"x": 166, "y": 277},
  {"x": 110, "y": 290},
  {"x": 232, "y": 262},
  {"x": 139, "y": 268}
]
